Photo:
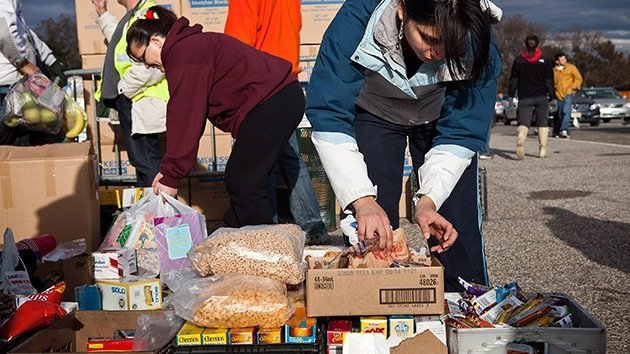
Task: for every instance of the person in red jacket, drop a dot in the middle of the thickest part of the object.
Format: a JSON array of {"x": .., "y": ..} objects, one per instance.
[
  {"x": 273, "y": 26},
  {"x": 237, "y": 88}
]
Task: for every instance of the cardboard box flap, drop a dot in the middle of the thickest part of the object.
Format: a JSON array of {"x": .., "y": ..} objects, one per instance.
[
  {"x": 58, "y": 151},
  {"x": 425, "y": 340}
]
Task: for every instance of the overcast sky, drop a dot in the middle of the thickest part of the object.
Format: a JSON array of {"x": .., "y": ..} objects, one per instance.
[{"x": 612, "y": 17}]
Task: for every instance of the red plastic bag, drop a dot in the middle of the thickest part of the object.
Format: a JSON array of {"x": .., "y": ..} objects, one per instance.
[{"x": 31, "y": 315}]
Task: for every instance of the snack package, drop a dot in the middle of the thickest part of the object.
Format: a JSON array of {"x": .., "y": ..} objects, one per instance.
[
  {"x": 31, "y": 315},
  {"x": 233, "y": 300},
  {"x": 35, "y": 103},
  {"x": 272, "y": 251}
]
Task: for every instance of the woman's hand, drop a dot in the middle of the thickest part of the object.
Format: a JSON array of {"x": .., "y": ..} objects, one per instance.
[
  {"x": 432, "y": 223},
  {"x": 159, "y": 187},
  {"x": 372, "y": 219}
]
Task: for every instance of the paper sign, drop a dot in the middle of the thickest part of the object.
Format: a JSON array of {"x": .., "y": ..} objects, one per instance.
[{"x": 179, "y": 241}]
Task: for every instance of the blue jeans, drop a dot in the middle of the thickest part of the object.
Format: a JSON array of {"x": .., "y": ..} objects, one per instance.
[
  {"x": 143, "y": 149},
  {"x": 564, "y": 115},
  {"x": 383, "y": 146},
  {"x": 302, "y": 201}
]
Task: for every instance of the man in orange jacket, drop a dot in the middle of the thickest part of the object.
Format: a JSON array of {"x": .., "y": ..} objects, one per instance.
[
  {"x": 567, "y": 80},
  {"x": 273, "y": 26}
]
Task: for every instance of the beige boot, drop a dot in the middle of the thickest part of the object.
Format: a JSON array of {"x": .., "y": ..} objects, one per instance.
[
  {"x": 521, "y": 135},
  {"x": 543, "y": 135}
]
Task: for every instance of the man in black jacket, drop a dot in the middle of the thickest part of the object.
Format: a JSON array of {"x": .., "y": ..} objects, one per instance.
[{"x": 531, "y": 81}]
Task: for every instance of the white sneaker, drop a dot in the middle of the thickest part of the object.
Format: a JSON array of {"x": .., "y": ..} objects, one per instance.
[{"x": 565, "y": 135}]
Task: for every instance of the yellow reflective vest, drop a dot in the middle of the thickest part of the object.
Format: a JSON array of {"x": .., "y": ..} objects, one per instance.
[{"x": 122, "y": 62}]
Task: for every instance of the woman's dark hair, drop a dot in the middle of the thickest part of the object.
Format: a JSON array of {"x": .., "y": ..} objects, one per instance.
[
  {"x": 155, "y": 21},
  {"x": 456, "y": 20}
]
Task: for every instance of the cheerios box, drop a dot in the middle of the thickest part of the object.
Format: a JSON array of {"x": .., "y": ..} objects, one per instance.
[
  {"x": 131, "y": 293},
  {"x": 384, "y": 291}
]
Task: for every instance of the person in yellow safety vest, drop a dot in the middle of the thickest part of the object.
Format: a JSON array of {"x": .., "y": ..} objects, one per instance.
[{"x": 138, "y": 94}]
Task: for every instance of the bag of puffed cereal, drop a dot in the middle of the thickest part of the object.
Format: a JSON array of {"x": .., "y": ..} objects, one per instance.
[{"x": 233, "y": 300}]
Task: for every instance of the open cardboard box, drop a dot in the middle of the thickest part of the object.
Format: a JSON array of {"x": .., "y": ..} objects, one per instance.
[
  {"x": 70, "y": 334},
  {"x": 378, "y": 291}
]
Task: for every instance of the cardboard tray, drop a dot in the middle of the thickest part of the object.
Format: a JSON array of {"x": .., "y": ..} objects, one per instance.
[
  {"x": 70, "y": 334},
  {"x": 588, "y": 335},
  {"x": 319, "y": 347}
]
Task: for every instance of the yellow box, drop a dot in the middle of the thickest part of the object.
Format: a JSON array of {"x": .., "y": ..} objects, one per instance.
[
  {"x": 189, "y": 334},
  {"x": 269, "y": 335},
  {"x": 242, "y": 335},
  {"x": 214, "y": 336},
  {"x": 374, "y": 324}
]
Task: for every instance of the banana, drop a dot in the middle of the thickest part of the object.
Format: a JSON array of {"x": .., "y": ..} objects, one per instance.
[{"x": 79, "y": 124}]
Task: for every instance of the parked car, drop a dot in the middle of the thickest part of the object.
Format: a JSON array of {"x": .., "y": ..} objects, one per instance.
[
  {"x": 611, "y": 104},
  {"x": 499, "y": 109},
  {"x": 585, "y": 109},
  {"x": 511, "y": 112}
]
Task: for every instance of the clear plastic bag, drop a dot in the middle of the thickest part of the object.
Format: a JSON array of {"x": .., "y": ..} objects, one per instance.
[
  {"x": 272, "y": 251},
  {"x": 35, "y": 103},
  {"x": 14, "y": 282},
  {"x": 155, "y": 330},
  {"x": 233, "y": 300}
]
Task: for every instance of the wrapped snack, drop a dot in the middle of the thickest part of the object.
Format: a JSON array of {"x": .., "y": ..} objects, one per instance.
[
  {"x": 367, "y": 254},
  {"x": 233, "y": 300},
  {"x": 273, "y": 251}
]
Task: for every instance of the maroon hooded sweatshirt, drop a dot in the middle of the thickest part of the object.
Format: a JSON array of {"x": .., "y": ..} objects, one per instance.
[{"x": 211, "y": 76}]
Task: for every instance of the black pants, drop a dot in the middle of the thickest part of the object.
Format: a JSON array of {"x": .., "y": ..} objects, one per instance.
[
  {"x": 530, "y": 106},
  {"x": 143, "y": 149},
  {"x": 261, "y": 138},
  {"x": 383, "y": 146}
]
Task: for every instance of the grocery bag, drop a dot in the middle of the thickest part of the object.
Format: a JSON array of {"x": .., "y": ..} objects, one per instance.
[
  {"x": 16, "y": 282},
  {"x": 178, "y": 227},
  {"x": 35, "y": 103}
]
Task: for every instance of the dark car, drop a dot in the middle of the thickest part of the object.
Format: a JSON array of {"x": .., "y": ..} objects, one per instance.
[{"x": 584, "y": 108}]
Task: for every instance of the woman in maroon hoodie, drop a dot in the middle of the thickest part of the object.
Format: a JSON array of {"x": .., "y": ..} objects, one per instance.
[{"x": 239, "y": 89}]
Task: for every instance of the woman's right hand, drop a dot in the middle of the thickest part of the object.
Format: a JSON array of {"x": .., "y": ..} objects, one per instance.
[
  {"x": 100, "y": 6},
  {"x": 159, "y": 187},
  {"x": 372, "y": 219}
]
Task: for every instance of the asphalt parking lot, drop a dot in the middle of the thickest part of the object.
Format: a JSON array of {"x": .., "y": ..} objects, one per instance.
[{"x": 562, "y": 224}]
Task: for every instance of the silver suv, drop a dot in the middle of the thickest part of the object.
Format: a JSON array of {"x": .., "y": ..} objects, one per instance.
[{"x": 611, "y": 104}]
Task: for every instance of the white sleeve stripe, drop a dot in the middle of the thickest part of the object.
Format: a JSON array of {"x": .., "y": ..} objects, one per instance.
[{"x": 440, "y": 172}]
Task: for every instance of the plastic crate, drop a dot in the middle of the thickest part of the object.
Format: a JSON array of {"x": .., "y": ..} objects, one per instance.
[
  {"x": 319, "y": 347},
  {"x": 588, "y": 335}
]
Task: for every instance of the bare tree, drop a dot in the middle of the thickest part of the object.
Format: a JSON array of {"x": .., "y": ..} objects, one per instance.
[{"x": 61, "y": 36}]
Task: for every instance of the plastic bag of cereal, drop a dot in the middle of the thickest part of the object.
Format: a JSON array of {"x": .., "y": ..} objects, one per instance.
[
  {"x": 272, "y": 251},
  {"x": 233, "y": 300}
]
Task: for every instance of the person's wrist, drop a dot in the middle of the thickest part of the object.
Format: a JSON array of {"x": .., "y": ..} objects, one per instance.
[
  {"x": 422, "y": 201},
  {"x": 357, "y": 204}
]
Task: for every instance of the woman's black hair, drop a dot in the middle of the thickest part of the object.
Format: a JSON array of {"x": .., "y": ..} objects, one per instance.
[
  {"x": 155, "y": 21},
  {"x": 456, "y": 20}
]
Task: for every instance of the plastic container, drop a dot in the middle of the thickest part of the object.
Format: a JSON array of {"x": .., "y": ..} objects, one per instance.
[
  {"x": 323, "y": 191},
  {"x": 587, "y": 336}
]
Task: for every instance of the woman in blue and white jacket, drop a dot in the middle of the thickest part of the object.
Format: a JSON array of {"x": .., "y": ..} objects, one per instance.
[{"x": 422, "y": 70}]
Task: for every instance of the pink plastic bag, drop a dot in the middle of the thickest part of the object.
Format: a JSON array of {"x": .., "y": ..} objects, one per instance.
[{"x": 178, "y": 227}]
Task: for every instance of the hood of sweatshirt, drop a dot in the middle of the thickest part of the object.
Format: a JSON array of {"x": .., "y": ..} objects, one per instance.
[{"x": 179, "y": 31}]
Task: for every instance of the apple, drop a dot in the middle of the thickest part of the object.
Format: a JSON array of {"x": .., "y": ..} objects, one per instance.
[
  {"x": 47, "y": 116},
  {"x": 12, "y": 123},
  {"x": 31, "y": 115},
  {"x": 28, "y": 100}
]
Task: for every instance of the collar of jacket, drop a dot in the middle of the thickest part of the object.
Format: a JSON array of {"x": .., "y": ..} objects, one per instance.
[{"x": 378, "y": 52}]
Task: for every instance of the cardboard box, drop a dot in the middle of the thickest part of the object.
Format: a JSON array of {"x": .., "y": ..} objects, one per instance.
[
  {"x": 189, "y": 334},
  {"x": 215, "y": 336},
  {"x": 75, "y": 271},
  {"x": 71, "y": 333},
  {"x": 205, "y": 194},
  {"x": 316, "y": 16},
  {"x": 89, "y": 36},
  {"x": 131, "y": 293},
  {"x": 50, "y": 189},
  {"x": 308, "y": 55},
  {"x": 211, "y": 14},
  {"x": 114, "y": 263},
  {"x": 425, "y": 340},
  {"x": 386, "y": 291}
]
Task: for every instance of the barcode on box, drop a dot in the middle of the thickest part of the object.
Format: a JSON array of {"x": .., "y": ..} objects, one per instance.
[{"x": 408, "y": 296}]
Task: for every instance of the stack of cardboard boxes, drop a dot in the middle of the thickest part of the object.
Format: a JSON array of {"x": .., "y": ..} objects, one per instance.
[{"x": 206, "y": 193}]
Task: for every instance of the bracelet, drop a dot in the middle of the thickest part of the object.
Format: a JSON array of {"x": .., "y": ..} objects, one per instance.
[{"x": 416, "y": 197}]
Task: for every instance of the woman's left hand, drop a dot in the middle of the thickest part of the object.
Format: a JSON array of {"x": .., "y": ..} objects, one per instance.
[
  {"x": 159, "y": 187},
  {"x": 432, "y": 223}
]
